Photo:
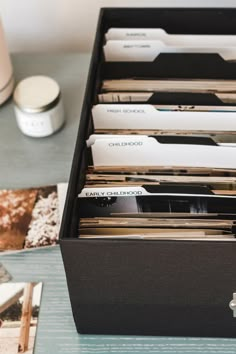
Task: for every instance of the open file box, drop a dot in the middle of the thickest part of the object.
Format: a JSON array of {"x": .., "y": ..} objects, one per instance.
[{"x": 150, "y": 287}]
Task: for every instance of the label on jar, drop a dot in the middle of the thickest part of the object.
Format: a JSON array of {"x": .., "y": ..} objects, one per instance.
[
  {"x": 36, "y": 125},
  {"x": 40, "y": 124}
]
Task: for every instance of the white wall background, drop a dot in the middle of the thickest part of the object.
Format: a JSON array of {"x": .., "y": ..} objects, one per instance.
[{"x": 69, "y": 25}]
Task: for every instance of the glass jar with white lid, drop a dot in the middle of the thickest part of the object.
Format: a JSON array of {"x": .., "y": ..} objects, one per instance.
[{"x": 38, "y": 106}]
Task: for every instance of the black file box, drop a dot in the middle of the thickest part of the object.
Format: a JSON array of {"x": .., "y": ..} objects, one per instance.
[{"x": 179, "y": 288}]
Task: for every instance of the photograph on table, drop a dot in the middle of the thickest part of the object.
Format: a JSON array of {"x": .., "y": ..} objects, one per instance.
[
  {"x": 30, "y": 218},
  {"x": 19, "y": 312}
]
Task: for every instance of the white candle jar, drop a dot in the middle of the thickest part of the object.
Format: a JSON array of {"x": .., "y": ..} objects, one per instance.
[{"x": 38, "y": 106}]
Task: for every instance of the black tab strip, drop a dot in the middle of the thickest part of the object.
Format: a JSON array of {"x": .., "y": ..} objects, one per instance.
[
  {"x": 189, "y": 140},
  {"x": 174, "y": 188}
]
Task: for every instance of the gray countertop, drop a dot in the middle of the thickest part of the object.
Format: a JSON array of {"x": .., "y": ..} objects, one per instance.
[{"x": 25, "y": 161}]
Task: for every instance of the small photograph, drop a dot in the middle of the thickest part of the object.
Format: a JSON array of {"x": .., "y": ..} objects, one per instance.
[
  {"x": 29, "y": 218},
  {"x": 19, "y": 312}
]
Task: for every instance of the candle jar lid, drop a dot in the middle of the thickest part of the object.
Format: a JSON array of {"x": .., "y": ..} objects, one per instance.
[{"x": 36, "y": 94}]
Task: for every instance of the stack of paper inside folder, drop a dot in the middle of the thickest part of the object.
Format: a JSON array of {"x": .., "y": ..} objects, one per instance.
[{"x": 161, "y": 169}]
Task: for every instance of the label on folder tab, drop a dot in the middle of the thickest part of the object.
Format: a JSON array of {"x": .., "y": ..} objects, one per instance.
[
  {"x": 145, "y": 116},
  {"x": 149, "y": 50},
  {"x": 148, "y": 151}
]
